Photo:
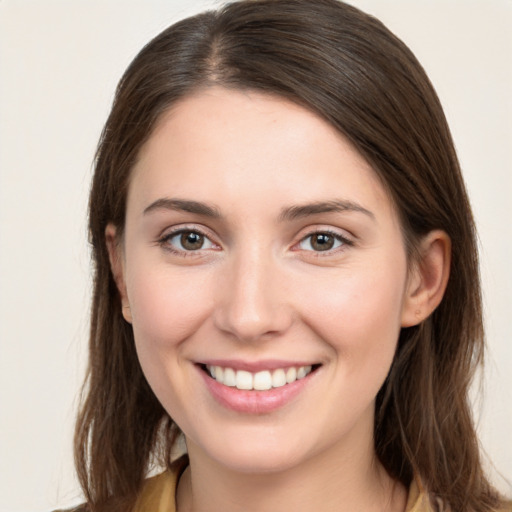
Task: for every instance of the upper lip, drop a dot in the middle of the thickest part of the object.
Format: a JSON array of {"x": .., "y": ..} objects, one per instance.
[{"x": 255, "y": 366}]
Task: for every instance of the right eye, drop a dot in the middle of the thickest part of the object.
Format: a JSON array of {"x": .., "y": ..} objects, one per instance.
[{"x": 187, "y": 240}]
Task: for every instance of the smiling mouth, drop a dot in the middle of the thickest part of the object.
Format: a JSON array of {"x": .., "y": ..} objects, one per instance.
[{"x": 258, "y": 381}]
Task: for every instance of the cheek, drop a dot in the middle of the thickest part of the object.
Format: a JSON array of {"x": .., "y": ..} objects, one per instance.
[
  {"x": 358, "y": 314},
  {"x": 359, "y": 318},
  {"x": 167, "y": 307}
]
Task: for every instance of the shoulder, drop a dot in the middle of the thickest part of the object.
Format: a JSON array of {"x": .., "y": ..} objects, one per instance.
[
  {"x": 158, "y": 492},
  {"x": 419, "y": 500}
]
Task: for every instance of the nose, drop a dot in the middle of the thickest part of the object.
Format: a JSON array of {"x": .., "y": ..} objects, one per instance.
[{"x": 252, "y": 303}]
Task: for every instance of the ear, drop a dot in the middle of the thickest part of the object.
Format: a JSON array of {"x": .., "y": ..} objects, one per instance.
[
  {"x": 115, "y": 254},
  {"x": 428, "y": 278}
]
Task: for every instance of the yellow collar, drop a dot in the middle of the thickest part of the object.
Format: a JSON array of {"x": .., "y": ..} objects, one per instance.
[{"x": 159, "y": 492}]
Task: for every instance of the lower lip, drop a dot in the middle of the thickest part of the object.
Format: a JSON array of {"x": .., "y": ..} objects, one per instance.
[{"x": 254, "y": 402}]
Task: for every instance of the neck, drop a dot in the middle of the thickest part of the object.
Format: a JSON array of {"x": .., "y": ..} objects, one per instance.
[{"x": 328, "y": 481}]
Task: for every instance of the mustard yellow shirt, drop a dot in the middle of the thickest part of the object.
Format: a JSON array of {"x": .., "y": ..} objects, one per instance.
[{"x": 159, "y": 494}]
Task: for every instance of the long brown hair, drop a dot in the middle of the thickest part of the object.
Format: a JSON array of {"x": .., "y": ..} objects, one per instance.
[{"x": 348, "y": 68}]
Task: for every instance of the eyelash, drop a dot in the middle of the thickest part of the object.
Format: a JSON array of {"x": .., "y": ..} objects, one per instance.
[
  {"x": 164, "y": 242},
  {"x": 344, "y": 242}
]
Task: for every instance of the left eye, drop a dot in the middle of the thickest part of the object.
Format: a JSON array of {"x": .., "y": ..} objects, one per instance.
[
  {"x": 189, "y": 241},
  {"x": 321, "y": 242}
]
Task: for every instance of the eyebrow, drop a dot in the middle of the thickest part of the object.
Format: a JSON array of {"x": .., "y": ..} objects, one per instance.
[
  {"x": 287, "y": 214},
  {"x": 336, "y": 205},
  {"x": 184, "y": 205}
]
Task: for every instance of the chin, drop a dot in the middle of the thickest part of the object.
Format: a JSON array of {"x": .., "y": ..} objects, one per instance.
[
  {"x": 260, "y": 461},
  {"x": 253, "y": 453}
]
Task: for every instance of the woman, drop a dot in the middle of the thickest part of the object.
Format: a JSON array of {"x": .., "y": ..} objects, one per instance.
[{"x": 286, "y": 272}]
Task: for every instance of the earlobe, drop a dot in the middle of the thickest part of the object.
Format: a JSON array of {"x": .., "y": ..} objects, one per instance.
[
  {"x": 117, "y": 267},
  {"x": 428, "y": 279}
]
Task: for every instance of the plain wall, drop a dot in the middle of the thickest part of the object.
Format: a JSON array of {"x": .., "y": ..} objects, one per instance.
[{"x": 59, "y": 65}]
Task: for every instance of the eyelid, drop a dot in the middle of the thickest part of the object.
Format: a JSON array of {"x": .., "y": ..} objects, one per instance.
[
  {"x": 345, "y": 240},
  {"x": 177, "y": 236},
  {"x": 169, "y": 233}
]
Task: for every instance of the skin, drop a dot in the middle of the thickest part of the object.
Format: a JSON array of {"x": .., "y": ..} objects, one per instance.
[{"x": 258, "y": 289}]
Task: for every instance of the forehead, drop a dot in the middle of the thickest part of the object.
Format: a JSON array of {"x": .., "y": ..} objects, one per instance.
[{"x": 223, "y": 143}]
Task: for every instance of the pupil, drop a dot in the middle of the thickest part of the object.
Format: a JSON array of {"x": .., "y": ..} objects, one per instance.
[
  {"x": 192, "y": 241},
  {"x": 322, "y": 242}
]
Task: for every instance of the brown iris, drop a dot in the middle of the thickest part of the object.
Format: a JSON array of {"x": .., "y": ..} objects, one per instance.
[
  {"x": 322, "y": 242},
  {"x": 191, "y": 241}
]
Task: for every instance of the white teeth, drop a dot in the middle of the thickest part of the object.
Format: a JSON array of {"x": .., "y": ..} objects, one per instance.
[
  {"x": 229, "y": 377},
  {"x": 219, "y": 374},
  {"x": 291, "y": 375},
  {"x": 259, "y": 381},
  {"x": 262, "y": 381},
  {"x": 278, "y": 378},
  {"x": 244, "y": 379},
  {"x": 303, "y": 371}
]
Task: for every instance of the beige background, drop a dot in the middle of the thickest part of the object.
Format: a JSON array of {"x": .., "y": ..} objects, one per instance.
[{"x": 59, "y": 64}]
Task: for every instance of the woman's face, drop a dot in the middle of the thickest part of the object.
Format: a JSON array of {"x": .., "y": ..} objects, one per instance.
[{"x": 260, "y": 246}]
